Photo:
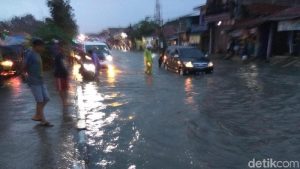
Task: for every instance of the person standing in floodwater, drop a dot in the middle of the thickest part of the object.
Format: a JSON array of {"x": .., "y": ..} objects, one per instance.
[
  {"x": 148, "y": 61},
  {"x": 33, "y": 66},
  {"x": 61, "y": 72}
]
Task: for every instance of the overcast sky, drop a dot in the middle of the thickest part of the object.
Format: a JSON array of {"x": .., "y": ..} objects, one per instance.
[{"x": 95, "y": 15}]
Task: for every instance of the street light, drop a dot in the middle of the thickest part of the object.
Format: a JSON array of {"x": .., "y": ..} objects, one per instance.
[
  {"x": 124, "y": 35},
  {"x": 81, "y": 37}
]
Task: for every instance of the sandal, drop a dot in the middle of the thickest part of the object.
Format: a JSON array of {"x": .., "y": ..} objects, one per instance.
[
  {"x": 46, "y": 124},
  {"x": 36, "y": 119}
]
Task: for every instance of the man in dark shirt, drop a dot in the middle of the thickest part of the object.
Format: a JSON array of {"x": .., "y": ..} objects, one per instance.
[
  {"x": 34, "y": 69},
  {"x": 61, "y": 73}
]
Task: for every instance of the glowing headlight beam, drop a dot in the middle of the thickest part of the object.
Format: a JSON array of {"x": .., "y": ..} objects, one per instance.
[
  {"x": 109, "y": 58},
  {"x": 7, "y": 63},
  {"x": 188, "y": 64},
  {"x": 88, "y": 57},
  {"x": 89, "y": 67}
]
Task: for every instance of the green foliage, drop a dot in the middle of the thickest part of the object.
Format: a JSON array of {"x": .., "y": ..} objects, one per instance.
[
  {"x": 51, "y": 31},
  {"x": 143, "y": 29},
  {"x": 21, "y": 24},
  {"x": 63, "y": 17}
]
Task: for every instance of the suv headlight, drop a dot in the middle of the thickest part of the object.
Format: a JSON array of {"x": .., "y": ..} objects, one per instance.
[
  {"x": 210, "y": 64},
  {"x": 89, "y": 67},
  {"x": 88, "y": 57},
  {"x": 7, "y": 63},
  {"x": 109, "y": 58},
  {"x": 188, "y": 64}
]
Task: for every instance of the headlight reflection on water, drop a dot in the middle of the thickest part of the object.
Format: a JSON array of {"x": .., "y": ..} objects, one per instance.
[
  {"x": 100, "y": 108},
  {"x": 112, "y": 73},
  {"x": 189, "y": 91}
]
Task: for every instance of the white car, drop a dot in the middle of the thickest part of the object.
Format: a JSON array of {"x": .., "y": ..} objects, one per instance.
[{"x": 101, "y": 49}]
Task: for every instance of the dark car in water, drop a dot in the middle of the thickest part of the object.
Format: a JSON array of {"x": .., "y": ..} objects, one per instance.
[
  {"x": 11, "y": 58},
  {"x": 186, "y": 60}
]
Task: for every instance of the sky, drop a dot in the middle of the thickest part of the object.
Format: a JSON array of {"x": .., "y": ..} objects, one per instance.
[{"x": 92, "y": 16}]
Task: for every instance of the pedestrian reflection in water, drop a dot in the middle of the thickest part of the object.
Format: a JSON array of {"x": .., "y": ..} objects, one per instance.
[
  {"x": 188, "y": 87},
  {"x": 45, "y": 151},
  {"x": 149, "y": 80},
  {"x": 15, "y": 83}
]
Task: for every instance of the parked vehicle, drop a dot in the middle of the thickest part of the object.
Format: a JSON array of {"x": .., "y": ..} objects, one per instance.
[
  {"x": 11, "y": 58},
  {"x": 186, "y": 60}
]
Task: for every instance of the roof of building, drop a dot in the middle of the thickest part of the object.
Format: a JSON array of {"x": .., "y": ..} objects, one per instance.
[
  {"x": 217, "y": 17},
  {"x": 169, "y": 30},
  {"x": 264, "y": 8},
  {"x": 290, "y": 13},
  {"x": 248, "y": 23}
]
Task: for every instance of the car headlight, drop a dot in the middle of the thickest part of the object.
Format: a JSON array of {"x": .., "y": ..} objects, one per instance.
[
  {"x": 210, "y": 64},
  {"x": 7, "y": 63},
  {"x": 77, "y": 57},
  {"x": 109, "y": 58},
  {"x": 89, "y": 67},
  {"x": 165, "y": 58},
  {"x": 88, "y": 57},
  {"x": 188, "y": 64}
]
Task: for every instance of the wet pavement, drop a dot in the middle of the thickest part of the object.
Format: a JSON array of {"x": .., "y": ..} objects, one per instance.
[
  {"x": 26, "y": 145},
  {"x": 164, "y": 121}
]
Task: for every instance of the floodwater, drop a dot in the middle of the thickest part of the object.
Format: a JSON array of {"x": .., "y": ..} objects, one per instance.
[{"x": 166, "y": 121}]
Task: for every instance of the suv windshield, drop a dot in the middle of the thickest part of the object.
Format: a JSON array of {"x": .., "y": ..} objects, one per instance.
[
  {"x": 191, "y": 53},
  {"x": 99, "y": 49}
]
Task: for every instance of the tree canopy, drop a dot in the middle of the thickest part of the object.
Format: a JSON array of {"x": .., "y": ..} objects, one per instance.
[
  {"x": 143, "y": 28},
  {"x": 62, "y": 16}
]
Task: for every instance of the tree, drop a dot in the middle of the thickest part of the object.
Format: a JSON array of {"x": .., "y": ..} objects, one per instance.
[
  {"x": 62, "y": 16},
  {"x": 143, "y": 28},
  {"x": 21, "y": 24},
  {"x": 50, "y": 31}
]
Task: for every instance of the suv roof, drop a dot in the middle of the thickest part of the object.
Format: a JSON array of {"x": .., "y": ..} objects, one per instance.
[
  {"x": 182, "y": 47},
  {"x": 93, "y": 43}
]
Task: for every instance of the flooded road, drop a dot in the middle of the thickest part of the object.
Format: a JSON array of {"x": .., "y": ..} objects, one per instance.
[{"x": 167, "y": 121}]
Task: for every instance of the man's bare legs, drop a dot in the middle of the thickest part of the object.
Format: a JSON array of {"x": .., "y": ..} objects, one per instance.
[
  {"x": 64, "y": 97},
  {"x": 39, "y": 115}
]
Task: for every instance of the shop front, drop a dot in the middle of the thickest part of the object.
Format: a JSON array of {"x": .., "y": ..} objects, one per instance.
[{"x": 291, "y": 28}]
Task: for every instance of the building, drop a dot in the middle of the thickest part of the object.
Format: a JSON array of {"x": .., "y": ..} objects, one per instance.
[
  {"x": 183, "y": 30},
  {"x": 287, "y": 23},
  {"x": 256, "y": 28}
]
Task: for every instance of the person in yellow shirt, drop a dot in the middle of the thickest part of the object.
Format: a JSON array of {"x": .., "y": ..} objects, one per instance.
[{"x": 148, "y": 60}]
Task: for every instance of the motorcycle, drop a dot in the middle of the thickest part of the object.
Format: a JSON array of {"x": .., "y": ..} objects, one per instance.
[{"x": 88, "y": 70}]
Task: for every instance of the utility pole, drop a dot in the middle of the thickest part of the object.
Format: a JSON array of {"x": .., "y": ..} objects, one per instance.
[
  {"x": 157, "y": 14},
  {"x": 158, "y": 20}
]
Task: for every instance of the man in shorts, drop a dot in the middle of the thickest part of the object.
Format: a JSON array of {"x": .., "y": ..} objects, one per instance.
[
  {"x": 34, "y": 69},
  {"x": 61, "y": 73}
]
